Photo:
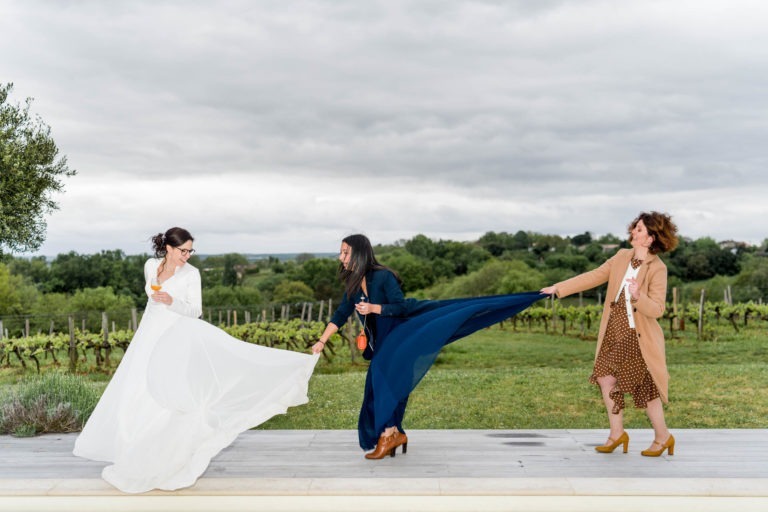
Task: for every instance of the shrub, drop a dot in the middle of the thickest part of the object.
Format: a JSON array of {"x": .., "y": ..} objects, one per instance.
[{"x": 52, "y": 402}]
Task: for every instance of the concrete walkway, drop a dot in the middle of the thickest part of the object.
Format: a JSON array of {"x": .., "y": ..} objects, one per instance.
[{"x": 446, "y": 470}]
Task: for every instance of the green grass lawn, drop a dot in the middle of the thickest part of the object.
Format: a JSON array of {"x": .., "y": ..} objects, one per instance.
[
  {"x": 517, "y": 380},
  {"x": 498, "y": 378}
]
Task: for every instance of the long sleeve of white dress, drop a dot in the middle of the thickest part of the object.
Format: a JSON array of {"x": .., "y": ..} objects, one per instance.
[{"x": 188, "y": 300}]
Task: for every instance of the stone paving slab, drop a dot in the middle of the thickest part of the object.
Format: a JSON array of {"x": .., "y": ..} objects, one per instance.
[{"x": 490, "y": 469}]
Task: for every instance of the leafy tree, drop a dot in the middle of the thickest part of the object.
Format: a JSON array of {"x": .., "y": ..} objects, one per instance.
[
  {"x": 304, "y": 257},
  {"x": 575, "y": 262},
  {"x": 543, "y": 244},
  {"x": 496, "y": 243},
  {"x": 702, "y": 259},
  {"x": 320, "y": 274},
  {"x": 459, "y": 258},
  {"x": 289, "y": 292},
  {"x": 609, "y": 238},
  {"x": 10, "y": 299},
  {"x": 281, "y": 267},
  {"x": 95, "y": 300},
  {"x": 101, "y": 298},
  {"x": 269, "y": 283},
  {"x": 71, "y": 271},
  {"x": 51, "y": 304},
  {"x": 233, "y": 267},
  {"x": 713, "y": 289},
  {"x": 672, "y": 282},
  {"x": 519, "y": 277},
  {"x": 583, "y": 239},
  {"x": 226, "y": 269},
  {"x": 724, "y": 262},
  {"x": 133, "y": 275},
  {"x": 521, "y": 241},
  {"x": 752, "y": 281},
  {"x": 554, "y": 275},
  {"x": 446, "y": 258},
  {"x": 493, "y": 278},
  {"x": 421, "y": 247},
  {"x": 233, "y": 257},
  {"x": 114, "y": 269},
  {"x": 35, "y": 269},
  {"x": 124, "y": 274},
  {"x": 29, "y": 173},
  {"x": 414, "y": 272},
  {"x": 221, "y": 296},
  {"x": 594, "y": 253}
]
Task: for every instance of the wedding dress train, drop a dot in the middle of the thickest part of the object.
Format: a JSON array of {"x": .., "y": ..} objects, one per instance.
[{"x": 184, "y": 391}]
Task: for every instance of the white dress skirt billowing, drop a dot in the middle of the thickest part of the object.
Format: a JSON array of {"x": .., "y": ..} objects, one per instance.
[{"x": 183, "y": 392}]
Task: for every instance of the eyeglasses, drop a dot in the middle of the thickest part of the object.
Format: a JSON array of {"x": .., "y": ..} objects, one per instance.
[{"x": 185, "y": 252}]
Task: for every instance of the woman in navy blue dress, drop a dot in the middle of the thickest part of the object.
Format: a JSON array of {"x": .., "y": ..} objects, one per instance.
[
  {"x": 404, "y": 337},
  {"x": 373, "y": 291}
]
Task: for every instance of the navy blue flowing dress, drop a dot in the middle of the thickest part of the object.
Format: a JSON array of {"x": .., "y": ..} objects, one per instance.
[{"x": 405, "y": 339}]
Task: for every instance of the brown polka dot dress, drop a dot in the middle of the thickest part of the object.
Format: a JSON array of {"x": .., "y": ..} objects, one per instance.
[{"x": 620, "y": 356}]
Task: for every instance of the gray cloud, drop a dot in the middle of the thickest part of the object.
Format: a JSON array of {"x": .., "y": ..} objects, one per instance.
[{"x": 454, "y": 117}]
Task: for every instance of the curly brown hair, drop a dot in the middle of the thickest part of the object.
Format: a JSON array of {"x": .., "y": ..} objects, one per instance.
[{"x": 660, "y": 227}]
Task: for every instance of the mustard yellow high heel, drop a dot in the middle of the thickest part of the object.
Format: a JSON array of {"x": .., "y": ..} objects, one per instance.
[
  {"x": 668, "y": 445},
  {"x": 623, "y": 439}
]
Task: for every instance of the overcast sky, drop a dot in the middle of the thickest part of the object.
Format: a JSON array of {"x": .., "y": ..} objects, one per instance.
[{"x": 283, "y": 126}]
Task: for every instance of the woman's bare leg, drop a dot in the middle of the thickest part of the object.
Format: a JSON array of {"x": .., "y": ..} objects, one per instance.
[
  {"x": 616, "y": 421},
  {"x": 655, "y": 412}
]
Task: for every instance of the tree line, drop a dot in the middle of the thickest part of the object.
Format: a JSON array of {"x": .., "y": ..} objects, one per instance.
[{"x": 498, "y": 262}]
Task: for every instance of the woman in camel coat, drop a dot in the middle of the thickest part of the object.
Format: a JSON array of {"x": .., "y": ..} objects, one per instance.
[{"x": 630, "y": 355}]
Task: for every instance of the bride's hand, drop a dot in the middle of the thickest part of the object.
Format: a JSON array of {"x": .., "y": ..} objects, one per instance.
[{"x": 162, "y": 297}]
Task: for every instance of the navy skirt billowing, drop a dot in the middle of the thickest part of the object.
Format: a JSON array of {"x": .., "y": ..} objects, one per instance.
[{"x": 405, "y": 348}]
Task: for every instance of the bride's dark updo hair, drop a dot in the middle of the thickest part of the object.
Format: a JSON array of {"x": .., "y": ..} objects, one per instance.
[{"x": 173, "y": 237}]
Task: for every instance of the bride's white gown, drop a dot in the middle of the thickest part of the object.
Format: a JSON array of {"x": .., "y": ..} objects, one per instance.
[{"x": 183, "y": 391}]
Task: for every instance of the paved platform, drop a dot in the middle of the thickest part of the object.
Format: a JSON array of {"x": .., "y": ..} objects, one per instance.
[{"x": 446, "y": 470}]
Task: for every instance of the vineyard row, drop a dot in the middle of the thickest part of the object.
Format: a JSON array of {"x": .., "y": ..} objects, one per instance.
[{"x": 299, "y": 334}]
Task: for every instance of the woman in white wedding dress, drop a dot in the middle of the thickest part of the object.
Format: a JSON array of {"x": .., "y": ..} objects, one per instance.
[{"x": 184, "y": 389}]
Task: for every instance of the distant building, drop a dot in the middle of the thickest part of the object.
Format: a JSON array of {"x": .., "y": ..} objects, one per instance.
[{"x": 733, "y": 245}]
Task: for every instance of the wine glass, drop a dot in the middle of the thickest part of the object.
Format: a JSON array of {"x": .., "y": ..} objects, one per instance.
[{"x": 155, "y": 284}]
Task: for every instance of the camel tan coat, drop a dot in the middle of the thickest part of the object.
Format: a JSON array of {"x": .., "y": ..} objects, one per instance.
[{"x": 652, "y": 278}]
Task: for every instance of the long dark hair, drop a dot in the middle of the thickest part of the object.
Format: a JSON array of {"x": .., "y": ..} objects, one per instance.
[
  {"x": 361, "y": 261},
  {"x": 174, "y": 237}
]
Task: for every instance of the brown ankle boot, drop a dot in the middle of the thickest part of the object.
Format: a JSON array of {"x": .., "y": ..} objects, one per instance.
[
  {"x": 400, "y": 440},
  {"x": 388, "y": 445},
  {"x": 385, "y": 446}
]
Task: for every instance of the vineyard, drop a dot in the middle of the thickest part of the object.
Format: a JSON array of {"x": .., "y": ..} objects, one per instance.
[
  {"x": 705, "y": 317},
  {"x": 106, "y": 346},
  {"x": 73, "y": 348}
]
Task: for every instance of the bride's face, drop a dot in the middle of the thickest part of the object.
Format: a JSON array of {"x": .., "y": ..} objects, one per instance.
[{"x": 178, "y": 256}]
